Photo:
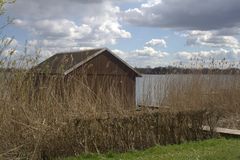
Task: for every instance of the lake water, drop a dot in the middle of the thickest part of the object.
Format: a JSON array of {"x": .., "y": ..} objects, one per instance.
[{"x": 153, "y": 89}]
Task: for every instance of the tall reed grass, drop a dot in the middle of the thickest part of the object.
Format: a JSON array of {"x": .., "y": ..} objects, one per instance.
[
  {"x": 33, "y": 109},
  {"x": 41, "y": 121},
  {"x": 217, "y": 93}
]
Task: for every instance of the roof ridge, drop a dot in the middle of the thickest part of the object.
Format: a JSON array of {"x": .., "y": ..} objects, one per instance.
[{"x": 84, "y": 50}]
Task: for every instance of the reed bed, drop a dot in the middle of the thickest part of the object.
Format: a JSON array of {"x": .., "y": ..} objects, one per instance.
[
  {"x": 218, "y": 93},
  {"x": 37, "y": 123},
  {"x": 45, "y": 117}
]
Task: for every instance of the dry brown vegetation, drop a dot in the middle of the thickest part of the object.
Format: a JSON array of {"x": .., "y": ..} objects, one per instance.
[
  {"x": 36, "y": 123},
  {"x": 217, "y": 93},
  {"x": 39, "y": 122}
]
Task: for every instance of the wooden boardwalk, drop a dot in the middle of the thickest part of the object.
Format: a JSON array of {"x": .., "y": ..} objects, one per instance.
[{"x": 224, "y": 131}]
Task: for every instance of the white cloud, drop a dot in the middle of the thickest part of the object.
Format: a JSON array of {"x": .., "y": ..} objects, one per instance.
[
  {"x": 149, "y": 51},
  {"x": 151, "y": 3},
  {"x": 143, "y": 57},
  {"x": 213, "y": 58},
  {"x": 219, "y": 54},
  {"x": 211, "y": 38},
  {"x": 157, "y": 42},
  {"x": 49, "y": 47},
  {"x": 236, "y": 51},
  {"x": 69, "y": 24},
  {"x": 19, "y": 22},
  {"x": 133, "y": 15},
  {"x": 61, "y": 28},
  {"x": 106, "y": 28},
  {"x": 57, "y": 28}
]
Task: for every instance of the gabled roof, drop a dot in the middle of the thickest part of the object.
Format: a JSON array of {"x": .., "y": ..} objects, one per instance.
[{"x": 64, "y": 63}]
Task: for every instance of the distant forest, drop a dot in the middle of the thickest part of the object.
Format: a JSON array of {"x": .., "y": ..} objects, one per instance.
[{"x": 177, "y": 70}]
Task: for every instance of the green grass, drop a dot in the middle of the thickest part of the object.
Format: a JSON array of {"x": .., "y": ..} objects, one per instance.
[{"x": 214, "y": 149}]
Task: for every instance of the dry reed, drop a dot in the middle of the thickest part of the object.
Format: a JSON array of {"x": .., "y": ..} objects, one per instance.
[
  {"x": 44, "y": 117},
  {"x": 37, "y": 123}
]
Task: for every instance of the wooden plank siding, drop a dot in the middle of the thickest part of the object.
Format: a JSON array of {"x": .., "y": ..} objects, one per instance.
[{"x": 104, "y": 74}]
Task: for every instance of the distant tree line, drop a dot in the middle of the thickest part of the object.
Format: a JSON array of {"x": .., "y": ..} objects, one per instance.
[{"x": 179, "y": 70}]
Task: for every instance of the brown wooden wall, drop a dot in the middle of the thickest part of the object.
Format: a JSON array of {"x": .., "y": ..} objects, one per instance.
[{"x": 104, "y": 74}]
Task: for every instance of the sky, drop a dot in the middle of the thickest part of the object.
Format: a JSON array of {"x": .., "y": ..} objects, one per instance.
[{"x": 142, "y": 32}]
